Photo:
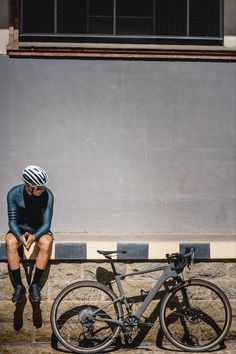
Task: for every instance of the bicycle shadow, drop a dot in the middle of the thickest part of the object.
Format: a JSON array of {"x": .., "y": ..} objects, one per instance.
[
  {"x": 135, "y": 340},
  {"x": 105, "y": 276}
]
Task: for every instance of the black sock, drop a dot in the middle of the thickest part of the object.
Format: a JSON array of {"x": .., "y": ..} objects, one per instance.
[
  {"x": 37, "y": 275},
  {"x": 16, "y": 276}
]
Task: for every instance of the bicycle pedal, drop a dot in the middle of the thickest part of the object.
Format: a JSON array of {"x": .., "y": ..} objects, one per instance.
[{"x": 145, "y": 324}]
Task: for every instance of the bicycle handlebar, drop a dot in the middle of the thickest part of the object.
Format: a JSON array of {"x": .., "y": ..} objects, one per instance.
[{"x": 180, "y": 260}]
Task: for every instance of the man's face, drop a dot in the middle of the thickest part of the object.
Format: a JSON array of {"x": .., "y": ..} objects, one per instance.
[{"x": 36, "y": 191}]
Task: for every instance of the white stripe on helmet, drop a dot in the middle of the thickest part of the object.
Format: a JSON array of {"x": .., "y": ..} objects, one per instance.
[{"x": 35, "y": 176}]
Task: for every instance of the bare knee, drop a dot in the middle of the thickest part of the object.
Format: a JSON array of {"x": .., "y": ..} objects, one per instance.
[
  {"x": 45, "y": 243},
  {"x": 11, "y": 243}
]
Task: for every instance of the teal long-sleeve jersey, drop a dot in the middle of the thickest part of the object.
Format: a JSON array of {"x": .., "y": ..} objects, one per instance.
[{"x": 31, "y": 211}]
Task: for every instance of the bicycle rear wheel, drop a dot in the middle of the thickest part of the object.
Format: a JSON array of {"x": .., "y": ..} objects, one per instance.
[
  {"x": 82, "y": 315},
  {"x": 195, "y": 316}
]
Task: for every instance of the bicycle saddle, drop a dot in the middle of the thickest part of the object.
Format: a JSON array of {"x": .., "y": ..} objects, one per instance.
[{"x": 107, "y": 253}]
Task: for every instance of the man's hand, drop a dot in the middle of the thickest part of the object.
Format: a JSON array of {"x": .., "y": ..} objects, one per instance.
[
  {"x": 27, "y": 239},
  {"x": 23, "y": 239}
]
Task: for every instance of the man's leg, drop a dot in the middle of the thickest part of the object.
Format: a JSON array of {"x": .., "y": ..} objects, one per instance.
[
  {"x": 12, "y": 246},
  {"x": 45, "y": 247}
]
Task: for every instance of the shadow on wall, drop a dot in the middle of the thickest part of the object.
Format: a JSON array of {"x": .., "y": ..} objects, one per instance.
[{"x": 4, "y": 14}]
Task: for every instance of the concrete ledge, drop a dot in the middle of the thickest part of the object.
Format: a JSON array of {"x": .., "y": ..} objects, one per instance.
[
  {"x": 82, "y": 247},
  {"x": 217, "y": 52}
]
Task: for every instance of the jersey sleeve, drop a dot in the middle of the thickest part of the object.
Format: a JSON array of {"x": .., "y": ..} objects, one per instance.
[
  {"x": 13, "y": 214},
  {"x": 47, "y": 217}
]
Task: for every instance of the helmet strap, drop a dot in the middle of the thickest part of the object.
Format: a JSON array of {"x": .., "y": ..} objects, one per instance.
[{"x": 31, "y": 190}]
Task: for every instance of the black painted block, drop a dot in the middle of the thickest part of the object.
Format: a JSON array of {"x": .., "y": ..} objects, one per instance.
[
  {"x": 70, "y": 251},
  {"x": 134, "y": 250},
  {"x": 202, "y": 250},
  {"x": 3, "y": 254}
]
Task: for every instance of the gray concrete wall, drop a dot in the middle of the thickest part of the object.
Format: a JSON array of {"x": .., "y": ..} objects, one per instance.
[
  {"x": 4, "y": 25},
  {"x": 130, "y": 147},
  {"x": 229, "y": 17},
  {"x": 4, "y": 14}
]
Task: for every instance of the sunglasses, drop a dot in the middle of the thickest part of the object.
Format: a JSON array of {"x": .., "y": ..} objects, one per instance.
[{"x": 39, "y": 188}]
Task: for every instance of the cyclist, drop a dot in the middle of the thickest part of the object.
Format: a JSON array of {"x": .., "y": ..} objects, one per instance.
[{"x": 30, "y": 209}]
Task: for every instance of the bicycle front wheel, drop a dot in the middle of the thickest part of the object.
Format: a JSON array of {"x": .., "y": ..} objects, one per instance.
[
  {"x": 195, "y": 316},
  {"x": 84, "y": 316}
]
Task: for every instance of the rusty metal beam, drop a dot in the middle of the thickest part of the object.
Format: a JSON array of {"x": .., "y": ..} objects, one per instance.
[{"x": 125, "y": 54}]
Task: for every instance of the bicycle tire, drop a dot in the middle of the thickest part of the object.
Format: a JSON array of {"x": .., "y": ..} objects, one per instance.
[
  {"x": 202, "y": 325},
  {"x": 70, "y": 311}
]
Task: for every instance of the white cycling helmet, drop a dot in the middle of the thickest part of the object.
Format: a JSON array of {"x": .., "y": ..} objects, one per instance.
[{"x": 35, "y": 176}]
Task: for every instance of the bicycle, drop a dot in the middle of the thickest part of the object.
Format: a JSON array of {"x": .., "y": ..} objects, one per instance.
[{"x": 88, "y": 316}]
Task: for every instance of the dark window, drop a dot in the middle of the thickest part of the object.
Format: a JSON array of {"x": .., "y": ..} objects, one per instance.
[
  {"x": 204, "y": 18},
  {"x": 38, "y": 16},
  {"x": 71, "y": 16},
  {"x": 121, "y": 20},
  {"x": 171, "y": 17},
  {"x": 134, "y": 17},
  {"x": 100, "y": 16}
]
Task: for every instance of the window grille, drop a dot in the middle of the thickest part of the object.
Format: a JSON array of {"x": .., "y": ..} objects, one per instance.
[{"x": 146, "y": 21}]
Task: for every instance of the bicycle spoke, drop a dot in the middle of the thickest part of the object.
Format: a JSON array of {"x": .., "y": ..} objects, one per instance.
[
  {"x": 76, "y": 313},
  {"x": 195, "y": 315}
]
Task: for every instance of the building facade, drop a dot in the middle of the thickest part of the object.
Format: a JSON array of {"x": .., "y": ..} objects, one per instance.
[{"x": 139, "y": 141}]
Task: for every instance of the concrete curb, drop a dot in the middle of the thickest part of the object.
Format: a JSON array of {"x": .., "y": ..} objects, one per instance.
[{"x": 138, "y": 247}]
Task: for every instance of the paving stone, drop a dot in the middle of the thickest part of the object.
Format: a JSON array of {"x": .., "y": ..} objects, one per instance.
[
  {"x": 9, "y": 335},
  {"x": 44, "y": 333},
  {"x": 147, "y": 348}
]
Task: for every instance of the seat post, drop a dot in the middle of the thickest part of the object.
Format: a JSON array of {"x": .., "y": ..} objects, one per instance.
[{"x": 112, "y": 265}]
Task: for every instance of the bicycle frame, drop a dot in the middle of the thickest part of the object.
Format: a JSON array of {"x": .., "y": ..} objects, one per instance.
[
  {"x": 168, "y": 273},
  {"x": 88, "y": 315}
]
